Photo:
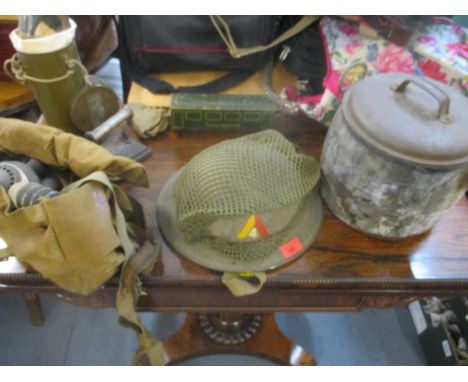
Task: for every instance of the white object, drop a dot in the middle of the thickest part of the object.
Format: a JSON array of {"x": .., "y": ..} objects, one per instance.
[
  {"x": 45, "y": 44},
  {"x": 418, "y": 317}
]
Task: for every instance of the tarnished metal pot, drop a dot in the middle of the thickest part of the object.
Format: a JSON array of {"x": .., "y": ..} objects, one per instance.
[{"x": 395, "y": 158}]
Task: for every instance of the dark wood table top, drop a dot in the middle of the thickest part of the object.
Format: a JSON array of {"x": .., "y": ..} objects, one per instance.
[
  {"x": 340, "y": 262},
  {"x": 339, "y": 254}
]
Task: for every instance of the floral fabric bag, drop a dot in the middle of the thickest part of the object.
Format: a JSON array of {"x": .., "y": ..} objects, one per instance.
[{"x": 439, "y": 51}]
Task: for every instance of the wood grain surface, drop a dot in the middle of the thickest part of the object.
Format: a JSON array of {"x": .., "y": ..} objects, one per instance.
[
  {"x": 339, "y": 252},
  {"x": 342, "y": 270}
]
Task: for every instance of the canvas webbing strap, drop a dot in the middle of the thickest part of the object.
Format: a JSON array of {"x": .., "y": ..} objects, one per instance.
[
  {"x": 136, "y": 262},
  {"x": 129, "y": 285},
  {"x": 119, "y": 219},
  {"x": 244, "y": 284},
  {"x": 127, "y": 298},
  {"x": 225, "y": 32}
]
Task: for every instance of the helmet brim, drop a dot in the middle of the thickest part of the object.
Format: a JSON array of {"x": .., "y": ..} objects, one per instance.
[{"x": 304, "y": 231}]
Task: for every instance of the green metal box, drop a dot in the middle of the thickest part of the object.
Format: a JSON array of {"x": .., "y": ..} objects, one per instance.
[{"x": 220, "y": 112}]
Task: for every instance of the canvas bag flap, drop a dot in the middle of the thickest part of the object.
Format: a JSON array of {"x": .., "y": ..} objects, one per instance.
[{"x": 56, "y": 148}]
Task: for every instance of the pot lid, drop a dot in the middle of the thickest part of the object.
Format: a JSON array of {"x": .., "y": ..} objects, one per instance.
[{"x": 410, "y": 117}]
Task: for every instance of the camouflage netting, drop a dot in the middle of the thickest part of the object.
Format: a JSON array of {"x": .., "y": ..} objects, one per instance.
[{"x": 255, "y": 174}]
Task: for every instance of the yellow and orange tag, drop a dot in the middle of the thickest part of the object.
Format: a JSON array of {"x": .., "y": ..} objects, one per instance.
[{"x": 253, "y": 228}]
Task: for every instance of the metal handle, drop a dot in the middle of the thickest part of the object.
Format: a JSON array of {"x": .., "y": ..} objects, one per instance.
[
  {"x": 100, "y": 131},
  {"x": 442, "y": 98}
]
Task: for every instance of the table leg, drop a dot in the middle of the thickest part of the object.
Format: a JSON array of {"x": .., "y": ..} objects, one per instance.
[
  {"x": 215, "y": 333},
  {"x": 33, "y": 304}
]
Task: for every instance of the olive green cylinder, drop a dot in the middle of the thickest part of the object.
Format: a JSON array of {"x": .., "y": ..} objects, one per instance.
[{"x": 54, "y": 97}]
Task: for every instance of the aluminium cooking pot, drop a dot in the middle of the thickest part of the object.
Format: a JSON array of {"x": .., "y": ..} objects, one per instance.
[{"x": 395, "y": 158}]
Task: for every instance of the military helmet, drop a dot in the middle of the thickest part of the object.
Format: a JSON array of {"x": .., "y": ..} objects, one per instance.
[{"x": 248, "y": 204}]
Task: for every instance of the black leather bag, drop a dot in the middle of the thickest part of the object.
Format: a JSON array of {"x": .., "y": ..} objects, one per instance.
[
  {"x": 165, "y": 44},
  {"x": 240, "y": 45}
]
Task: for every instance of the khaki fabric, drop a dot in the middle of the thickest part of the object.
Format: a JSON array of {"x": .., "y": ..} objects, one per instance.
[
  {"x": 79, "y": 238},
  {"x": 128, "y": 294},
  {"x": 148, "y": 121},
  {"x": 70, "y": 239},
  {"x": 57, "y": 148},
  {"x": 244, "y": 284}
]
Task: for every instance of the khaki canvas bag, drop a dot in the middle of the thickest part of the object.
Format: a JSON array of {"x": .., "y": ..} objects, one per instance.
[{"x": 80, "y": 238}]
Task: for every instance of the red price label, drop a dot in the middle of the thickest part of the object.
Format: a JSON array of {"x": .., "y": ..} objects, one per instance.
[{"x": 291, "y": 248}]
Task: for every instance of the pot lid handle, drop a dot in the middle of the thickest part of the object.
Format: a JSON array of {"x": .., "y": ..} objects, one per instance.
[{"x": 442, "y": 98}]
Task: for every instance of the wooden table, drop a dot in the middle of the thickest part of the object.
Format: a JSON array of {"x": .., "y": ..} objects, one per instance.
[
  {"x": 14, "y": 98},
  {"x": 343, "y": 270}
]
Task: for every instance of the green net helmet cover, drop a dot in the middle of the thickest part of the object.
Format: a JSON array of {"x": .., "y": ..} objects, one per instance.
[{"x": 244, "y": 205}]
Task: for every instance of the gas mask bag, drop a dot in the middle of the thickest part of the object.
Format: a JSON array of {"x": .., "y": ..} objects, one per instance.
[
  {"x": 242, "y": 207},
  {"x": 72, "y": 239},
  {"x": 81, "y": 237}
]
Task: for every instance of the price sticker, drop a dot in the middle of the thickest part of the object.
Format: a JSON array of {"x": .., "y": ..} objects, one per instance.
[{"x": 291, "y": 248}]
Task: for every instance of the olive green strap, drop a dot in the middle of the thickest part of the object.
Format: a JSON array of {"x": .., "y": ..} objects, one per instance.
[
  {"x": 225, "y": 32},
  {"x": 243, "y": 284}
]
